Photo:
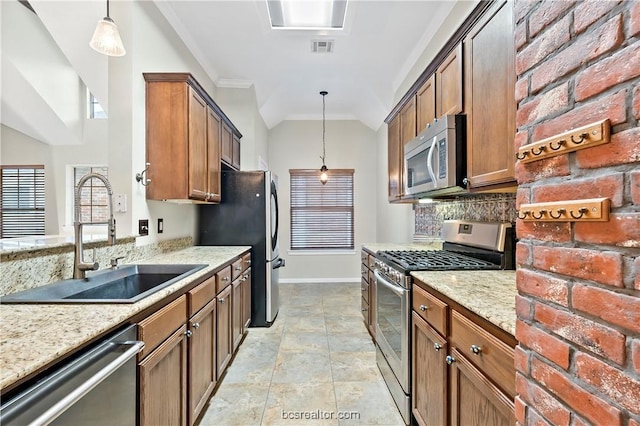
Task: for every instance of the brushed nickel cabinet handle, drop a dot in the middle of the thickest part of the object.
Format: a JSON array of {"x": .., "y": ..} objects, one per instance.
[
  {"x": 423, "y": 308},
  {"x": 188, "y": 333},
  {"x": 437, "y": 346},
  {"x": 476, "y": 349},
  {"x": 450, "y": 360}
]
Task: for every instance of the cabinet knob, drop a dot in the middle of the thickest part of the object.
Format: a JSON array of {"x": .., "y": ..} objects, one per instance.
[
  {"x": 225, "y": 278},
  {"x": 437, "y": 346},
  {"x": 364, "y": 309},
  {"x": 466, "y": 182},
  {"x": 238, "y": 268},
  {"x": 363, "y": 288},
  {"x": 188, "y": 333},
  {"x": 476, "y": 349},
  {"x": 450, "y": 360},
  {"x": 423, "y": 308},
  {"x": 196, "y": 325},
  {"x": 222, "y": 300}
]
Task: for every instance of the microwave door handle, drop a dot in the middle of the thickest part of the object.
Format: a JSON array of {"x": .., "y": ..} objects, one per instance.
[{"x": 430, "y": 162}]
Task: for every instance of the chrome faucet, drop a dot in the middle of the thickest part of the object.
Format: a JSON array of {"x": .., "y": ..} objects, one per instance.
[{"x": 79, "y": 265}]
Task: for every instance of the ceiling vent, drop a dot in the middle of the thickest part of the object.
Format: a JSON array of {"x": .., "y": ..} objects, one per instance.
[{"x": 322, "y": 46}]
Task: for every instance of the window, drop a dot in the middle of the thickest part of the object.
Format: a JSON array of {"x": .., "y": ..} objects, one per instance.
[
  {"x": 22, "y": 202},
  {"x": 94, "y": 198},
  {"x": 321, "y": 215},
  {"x": 95, "y": 109}
]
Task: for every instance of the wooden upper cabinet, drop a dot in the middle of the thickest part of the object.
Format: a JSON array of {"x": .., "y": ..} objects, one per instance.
[
  {"x": 184, "y": 135},
  {"x": 235, "y": 153},
  {"x": 407, "y": 123},
  {"x": 394, "y": 158},
  {"x": 226, "y": 145},
  {"x": 449, "y": 84},
  {"x": 489, "y": 97},
  {"x": 426, "y": 103}
]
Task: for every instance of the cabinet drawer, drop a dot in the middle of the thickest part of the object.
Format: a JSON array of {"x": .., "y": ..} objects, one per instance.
[
  {"x": 364, "y": 288},
  {"x": 236, "y": 269},
  {"x": 431, "y": 309},
  {"x": 365, "y": 272},
  {"x": 246, "y": 261},
  {"x": 155, "y": 329},
  {"x": 364, "y": 308},
  {"x": 371, "y": 261},
  {"x": 364, "y": 258},
  {"x": 201, "y": 295},
  {"x": 492, "y": 356},
  {"x": 223, "y": 279}
]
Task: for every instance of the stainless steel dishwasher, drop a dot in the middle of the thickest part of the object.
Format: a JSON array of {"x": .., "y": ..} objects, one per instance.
[{"x": 98, "y": 387}]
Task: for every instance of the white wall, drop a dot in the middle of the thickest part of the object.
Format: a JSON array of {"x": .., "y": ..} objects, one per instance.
[{"x": 349, "y": 145}]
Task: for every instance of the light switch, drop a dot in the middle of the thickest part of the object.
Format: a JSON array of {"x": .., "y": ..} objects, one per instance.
[{"x": 121, "y": 203}]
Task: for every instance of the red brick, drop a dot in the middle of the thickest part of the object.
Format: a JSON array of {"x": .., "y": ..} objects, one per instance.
[
  {"x": 521, "y": 138},
  {"x": 622, "y": 229},
  {"x": 522, "y": 88},
  {"x": 610, "y": 381},
  {"x": 612, "y": 107},
  {"x": 615, "y": 308},
  {"x": 552, "y": 348},
  {"x": 544, "y": 105},
  {"x": 586, "y": 48},
  {"x": 635, "y": 187},
  {"x": 624, "y": 148},
  {"x": 635, "y": 354},
  {"x": 604, "y": 267},
  {"x": 521, "y": 8},
  {"x": 616, "y": 69},
  {"x": 543, "y": 402},
  {"x": 523, "y": 254},
  {"x": 520, "y": 410},
  {"x": 589, "y": 12},
  {"x": 634, "y": 19},
  {"x": 633, "y": 422},
  {"x": 597, "y": 338},
  {"x": 520, "y": 36},
  {"x": 542, "y": 46},
  {"x": 545, "y": 14},
  {"x": 636, "y": 268},
  {"x": 521, "y": 360},
  {"x": 524, "y": 309},
  {"x": 559, "y": 232},
  {"x": 577, "y": 421},
  {"x": 610, "y": 186},
  {"x": 543, "y": 286},
  {"x": 636, "y": 100},
  {"x": 595, "y": 409},
  {"x": 547, "y": 167},
  {"x": 522, "y": 196}
]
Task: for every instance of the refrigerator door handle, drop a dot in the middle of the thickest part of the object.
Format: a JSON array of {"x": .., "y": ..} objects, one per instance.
[{"x": 278, "y": 264}]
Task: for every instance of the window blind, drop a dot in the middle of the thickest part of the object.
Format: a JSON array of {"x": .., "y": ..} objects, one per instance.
[
  {"x": 22, "y": 201},
  {"x": 321, "y": 215}
]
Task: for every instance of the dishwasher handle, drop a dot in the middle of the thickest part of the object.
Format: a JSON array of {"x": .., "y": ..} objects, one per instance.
[{"x": 68, "y": 400}]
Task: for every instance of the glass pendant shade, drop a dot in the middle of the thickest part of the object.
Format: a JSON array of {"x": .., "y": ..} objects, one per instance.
[
  {"x": 323, "y": 174},
  {"x": 106, "y": 38}
]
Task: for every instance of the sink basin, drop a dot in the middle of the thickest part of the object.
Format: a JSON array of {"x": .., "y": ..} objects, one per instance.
[{"x": 126, "y": 284}]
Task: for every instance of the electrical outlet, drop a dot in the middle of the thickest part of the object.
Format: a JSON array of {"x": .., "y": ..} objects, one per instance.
[
  {"x": 160, "y": 226},
  {"x": 143, "y": 227},
  {"x": 121, "y": 203}
]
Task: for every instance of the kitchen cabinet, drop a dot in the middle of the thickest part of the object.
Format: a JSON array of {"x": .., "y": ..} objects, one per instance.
[
  {"x": 449, "y": 84},
  {"x": 246, "y": 299},
  {"x": 223, "y": 335},
  {"x": 395, "y": 157},
  {"x": 368, "y": 289},
  {"x": 235, "y": 153},
  {"x": 236, "y": 313},
  {"x": 426, "y": 103},
  {"x": 185, "y": 132},
  {"x": 462, "y": 366},
  {"x": 490, "y": 98},
  {"x": 230, "y": 149},
  {"x": 162, "y": 366}
]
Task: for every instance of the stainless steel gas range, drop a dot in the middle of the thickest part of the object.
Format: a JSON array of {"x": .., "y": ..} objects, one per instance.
[{"x": 468, "y": 245}]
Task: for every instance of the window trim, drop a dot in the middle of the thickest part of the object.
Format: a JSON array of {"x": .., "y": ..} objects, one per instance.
[{"x": 40, "y": 183}]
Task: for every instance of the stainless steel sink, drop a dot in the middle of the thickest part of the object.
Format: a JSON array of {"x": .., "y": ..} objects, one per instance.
[{"x": 126, "y": 284}]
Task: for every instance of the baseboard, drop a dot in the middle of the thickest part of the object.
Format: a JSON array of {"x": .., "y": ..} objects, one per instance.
[{"x": 318, "y": 280}]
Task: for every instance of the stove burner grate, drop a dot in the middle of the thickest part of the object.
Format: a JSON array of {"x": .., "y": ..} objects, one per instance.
[{"x": 435, "y": 260}]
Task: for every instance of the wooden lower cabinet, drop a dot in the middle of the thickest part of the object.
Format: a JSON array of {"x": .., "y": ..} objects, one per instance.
[
  {"x": 223, "y": 336},
  {"x": 429, "y": 370},
  {"x": 163, "y": 383},
  {"x": 236, "y": 313},
  {"x": 246, "y": 299},
  {"x": 202, "y": 359},
  {"x": 475, "y": 400}
]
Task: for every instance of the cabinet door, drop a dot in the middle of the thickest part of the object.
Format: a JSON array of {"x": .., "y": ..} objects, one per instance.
[
  {"x": 449, "y": 83},
  {"x": 226, "y": 150},
  {"x": 489, "y": 98},
  {"x": 364, "y": 301},
  {"x": 236, "y": 313},
  {"x": 163, "y": 383},
  {"x": 429, "y": 370},
  {"x": 198, "y": 179},
  {"x": 475, "y": 401},
  {"x": 407, "y": 123},
  {"x": 214, "y": 131},
  {"x": 246, "y": 299},
  {"x": 373, "y": 313},
  {"x": 202, "y": 361},
  {"x": 235, "y": 152},
  {"x": 395, "y": 159},
  {"x": 426, "y": 103},
  {"x": 223, "y": 335}
]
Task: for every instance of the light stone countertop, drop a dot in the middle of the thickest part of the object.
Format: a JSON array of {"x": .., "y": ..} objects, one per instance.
[
  {"x": 34, "y": 335},
  {"x": 490, "y": 294}
]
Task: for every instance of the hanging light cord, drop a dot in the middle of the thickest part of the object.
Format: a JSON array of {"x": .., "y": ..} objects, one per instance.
[{"x": 323, "y": 93}]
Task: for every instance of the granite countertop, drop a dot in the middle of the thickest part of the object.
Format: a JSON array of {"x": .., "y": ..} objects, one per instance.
[
  {"x": 435, "y": 244},
  {"x": 490, "y": 294},
  {"x": 34, "y": 335}
]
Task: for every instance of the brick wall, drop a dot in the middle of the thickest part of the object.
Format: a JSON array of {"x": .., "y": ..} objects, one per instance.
[{"x": 578, "y": 307}]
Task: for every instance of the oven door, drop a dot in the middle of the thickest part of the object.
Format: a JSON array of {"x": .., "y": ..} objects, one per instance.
[{"x": 392, "y": 327}]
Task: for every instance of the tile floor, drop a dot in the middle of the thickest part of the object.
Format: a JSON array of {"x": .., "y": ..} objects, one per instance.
[{"x": 317, "y": 360}]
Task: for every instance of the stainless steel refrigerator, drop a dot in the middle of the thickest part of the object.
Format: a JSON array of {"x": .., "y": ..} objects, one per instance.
[{"x": 248, "y": 215}]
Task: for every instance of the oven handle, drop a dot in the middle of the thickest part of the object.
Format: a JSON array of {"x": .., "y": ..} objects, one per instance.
[
  {"x": 430, "y": 162},
  {"x": 391, "y": 286}
]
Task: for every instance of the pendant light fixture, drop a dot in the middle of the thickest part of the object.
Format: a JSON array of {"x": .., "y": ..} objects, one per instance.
[
  {"x": 106, "y": 38},
  {"x": 323, "y": 170}
]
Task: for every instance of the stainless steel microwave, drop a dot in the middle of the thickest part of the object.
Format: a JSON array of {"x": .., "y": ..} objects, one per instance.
[{"x": 435, "y": 161}]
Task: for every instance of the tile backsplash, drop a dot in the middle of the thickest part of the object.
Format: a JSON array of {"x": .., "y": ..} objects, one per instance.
[{"x": 485, "y": 207}]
